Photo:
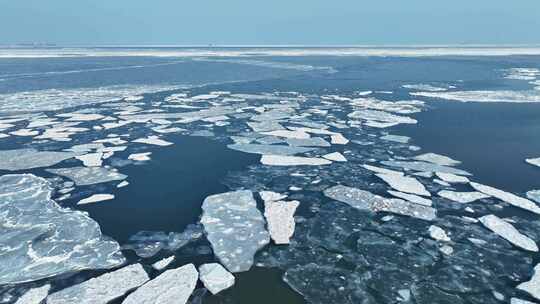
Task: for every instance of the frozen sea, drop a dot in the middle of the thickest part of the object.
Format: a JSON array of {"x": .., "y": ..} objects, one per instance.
[{"x": 118, "y": 156}]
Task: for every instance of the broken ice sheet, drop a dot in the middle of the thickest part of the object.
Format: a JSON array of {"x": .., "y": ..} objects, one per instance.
[
  {"x": 508, "y": 197},
  {"x": 279, "y": 216},
  {"x": 508, "y": 232},
  {"x": 462, "y": 197},
  {"x": 215, "y": 278},
  {"x": 396, "y": 138},
  {"x": 235, "y": 228},
  {"x": 405, "y": 184},
  {"x": 83, "y": 176},
  {"x": 22, "y": 159},
  {"x": 437, "y": 159},
  {"x": 43, "y": 239},
  {"x": 411, "y": 198},
  {"x": 281, "y": 160},
  {"x": 95, "y": 198},
  {"x": 534, "y": 195},
  {"x": 533, "y": 161},
  {"x": 533, "y": 285},
  {"x": 153, "y": 140},
  {"x": 269, "y": 149},
  {"x": 148, "y": 243},
  {"x": 424, "y": 167}
]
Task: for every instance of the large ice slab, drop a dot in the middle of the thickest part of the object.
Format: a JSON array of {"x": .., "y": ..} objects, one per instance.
[
  {"x": 215, "y": 278},
  {"x": 424, "y": 167},
  {"x": 485, "y": 96},
  {"x": 365, "y": 200},
  {"x": 34, "y": 295},
  {"x": 279, "y": 215},
  {"x": 462, "y": 197},
  {"x": 510, "y": 198},
  {"x": 452, "y": 178},
  {"x": 381, "y": 117},
  {"x": 281, "y": 160},
  {"x": 235, "y": 228},
  {"x": 405, "y": 184},
  {"x": 308, "y": 142},
  {"x": 172, "y": 286},
  {"x": 437, "y": 159},
  {"x": 269, "y": 149},
  {"x": 40, "y": 239},
  {"x": 83, "y": 176},
  {"x": 102, "y": 289},
  {"x": 508, "y": 232},
  {"x": 411, "y": 198},
  {"x": 533, "y": 285},
  {"x": 22, "y": 159}
]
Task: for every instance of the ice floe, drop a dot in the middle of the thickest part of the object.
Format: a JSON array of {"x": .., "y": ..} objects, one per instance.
[
  {"x": 534, "y": 195},
  {"x": 215, "y": 278},
  {"x": 282, "y": 160},
  {"x": 269, "y": 149},
  {"x": 91, "y": 159},
  {"x": 34, "y": 295},
  {"x": 411, "y": 198},
  {"x": 338, "y": 139},
  {"x": 335, "y": 156},
  {"x": 532, "y": 287},
  {"x": 140, "y": 156},
  {"x": 172, "y": 286},
  {"x": 508, "y": 232},
  {"x": 452, "y": 178},
  {"x": 153, "y": 140},
  {"x": 95, "y": 198},
  {"x": 279, "y": 216},
  {"x": 365, "y": 200},
  {"x": 308, "y": 142},
  {"x": 22, "y": 159},
  {"x": 485, "y": 96},
  {"x": 42, "y": 238},
  {"x": 102, "y": 289},
  {"x": 462, "y": 197},
  {"x": 396, "y": 138},
  {"x": 235, "y": 228},
  {"x": 83, "y": 176},
  {"x": 437, "y": 159},
  {"x": 424, "y": 167},
  {"x": 533, "y": 161},
  {"x": 437, "y": 233},
  {"x": 163, "y": 263},
  {"x": 383, "y": 119},
  {"x": 507, "y": 197},
  {"x": 405, "y": 184},
  {"x": 296, "y": 134},
  {"x": 424, "y": 87}
]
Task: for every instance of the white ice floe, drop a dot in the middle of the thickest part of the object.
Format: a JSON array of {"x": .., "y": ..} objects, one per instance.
[
  {"x": 508, "y": 232},
  {"x": 95, "y": 198},
  {"x": 533, "y": 161},
  {"x": 153, "y": 140},
  {"x": 424, "y": 87},
  {"x": 288, "y": 134},
  {"x": 437, "y": 159},
  {"x": 335, "y": 156},
  {"x": 215, "y": 278},
  {"x": 81, "y": 116},
  {"x": 338, "y": 139},
  {"x": 452, "y": 178},
  {"x": 122, "y": 184},
  {"x": 22, "y": 159},
  {"x": 34, "y": 295},
  {"x": 534, "y": 195},
  {"x": 381, "y": 118},
  {"x": 91, "y": 159},
  {"x": 31, "y": 214},
  {"x": 411, "y": 198},
  {"x": 24, "y": 132},
  {"x": 437, "y": 233},
  {"x": 235, "y": 228},
  {"x": 140, "y": 156},
  {"x": 265, "y": 126},
  {"x": 396, "y": 138},
  {"x": 271, "y": 196},
  {"x": 485, "y": 96},
  {"x": 520, "y": 301},
  {"x": 307, "y": 142},
  {"x": 532, "y": 286},
  {"x": 282, "y": 160},
  {"x": 507, "y": 197},
  {"x": 365, "y": 200},
  {"x": 163, "y": 263},
  {"x": 172, "y": 286},
  {"x": 424, "y": 167},
  {"x": 83, "y": 176},
  {"x": 279, "y": 216},
  {"x": 269, "y": 149},
  {"x": 405, "y": 184},
  {"x": 381, "y": 170},
  {"x": 462, "y": 197},
  {"x": 102, "y": 289}
]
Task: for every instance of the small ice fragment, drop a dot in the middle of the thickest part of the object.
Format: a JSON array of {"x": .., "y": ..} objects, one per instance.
[
  {"x": 405, "y": 184},
  {"x": 288, "y": 134},
  {"x": 437, "y": 159},
  {"x": 153, "y": 140},
  {"x": 268, "y": 149},
  {"x": 437, "y": 233},
  {"x": 424, "y": 167},
  {"x": 411, "y": 198},
  {"x": 279, "y": 216},
  {"x": 381, "y": 170},
  {"x": 448, "y": 250},
  {"x": 338, "y": 139},
  {"x": 122, "y": 184},
  {"x": 462, "y": 197},
  {"x": 336, "y": 156},
  {"x": 91, "y": 159},
  {"x": 24, "y": 132},
  {"x": 271, "y": 196},
  {"x": 140, "y": 156},
  {"x": 532, "y": 161},
  {"x": 215, "y": 278},
  {"x": 534, "y": 195},
  {"x": 95, "y": 198},
  {"x": 533, "y": 285},
  {"x": 508, "y": 232},
  {"x": 281, "y": 160},
  {"x": 452, "y": 178},
  {"x": 163, "y": 263}
]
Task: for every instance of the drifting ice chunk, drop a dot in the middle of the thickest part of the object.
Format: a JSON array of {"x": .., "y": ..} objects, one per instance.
[
  {"x": 91, "y": 159},
  {"x": 533, "y": 161},
  {"x": 269, "y": 149},
  {"x": 462, "y": 197},
  {"x": 42, "y": 238},
  {"x": 381, "y": 117},
  {"x": 404, "y": 184},
  {"x": 424, "y": 87},
  {"x": 437, "y": 159},
  {"x": 153, "y": 140},
  {"x": 22, "y": 159},
  {"x": 279, "y": 216},
  {"x": 96, "y": 198},
  {"x": 411, "y": 198},
  {"x": 271, "y": 196},
  {"x": 381, "y": 170},
  {"x": 308, "y": 142},
  {"x": 452, "y": 178},
  {"x": 140, "y": 156},
  {"x": 163, "y": 263},
  {"x": 534, "y": 195},
  {"x": 424, "y": 167},
  {"x": 519, "y": 301},
  {"x": 215, "y": 278},
  {"x": 365, "y": 200},
  {"x": 510, "y": 198},
  {"x": 265, "y": 126},
  {"x": 437, "y": 233},
  {"x": 396, "y": 138},
  {"x": 533, "y": 286},
  {"x": 508, "y": 232},
  {"x": 83, "y": 176},
  {"x": 288, "y": 134},
  {"x": 235, "y": 228},
  {"x": 102, "y": 289},
  {"x": 81, "y": 116},
  {"x": 338, "y": 139},
  {"x": 34, "y": 295},
  {"x": 336, "y": 156},
  {"x": 280, "y": 160},
  {"x": 24, "y": 132},
  {"x": 172, "y": 286}
]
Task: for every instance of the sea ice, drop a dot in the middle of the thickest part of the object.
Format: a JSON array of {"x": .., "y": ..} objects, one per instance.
[
  {"x": 83, "y": 176},
  {"x": 462, "y": 197},
  {"x": 34, "y": 295},
  {"x": 215, "y": 278},
  {"x": 163, "y": 263},
  {"x": 424, "y": 167},
  {"x": 437, "y": 233},
  {"x": 396, "y": 138},
  {"x": 43, "y": 239},
  {"x": 265, "y": 126},
  {"x": 452, "y": 178},
  {"x": 269, "y": 149},
  {"x": 532, "y": 161},
  {"x": 172, "y": 286},
  {"x": 91, "y": 159},
  {"x": 271, "y": 196},
  {"x": 281, "y": 160},
  {"x": 338, "y": 139},
  {"x": 510, "y": 198},
  {"x": 485, "y": 96},
  {"x": 437, "y": 159},
  {"x": 279, "y": 216},
  {"x": 308, "y": 142},
  {"x": 298, "y": 134},
  {"x": 24, "y": 132},
  {"x": 381, "y": 117},
  {"x": 140, "y": 156},
  {"x": 381, "y": 170},
  {"x": 411, "y": 198},
  {"x": 153, "y": 140},
  {"x": 405, "y": 184},
  {"x": 95, "y": 198},
  {"x": 335, "y": 156},
  {"x": 533, "y": 285},
  {"x": 22, "y": 159},
  {"x": 235, "y": 228},
  {"x": 102, "y": 289},
  {"x": 508, "y": 232},
  {"x": 424, "y": 87},
  {"x": 534, "y": 195}
]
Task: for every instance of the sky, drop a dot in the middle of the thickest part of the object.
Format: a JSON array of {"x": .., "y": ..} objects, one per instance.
[{"x": 270, "y": 22}]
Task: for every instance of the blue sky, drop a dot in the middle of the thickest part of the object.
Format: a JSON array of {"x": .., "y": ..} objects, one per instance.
[{"x": 315, "y": 22}]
